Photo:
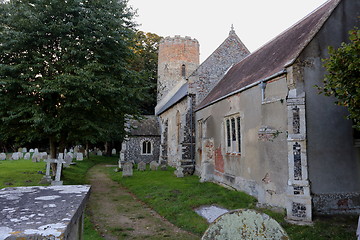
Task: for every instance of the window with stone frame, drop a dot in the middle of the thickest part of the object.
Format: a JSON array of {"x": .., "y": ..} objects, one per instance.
[
  {"x": 233, "y": 134},
  {"x": 146, "y": 147}
]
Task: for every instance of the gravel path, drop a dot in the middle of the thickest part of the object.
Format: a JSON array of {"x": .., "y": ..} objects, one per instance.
[{"x": 117, "y": 214}]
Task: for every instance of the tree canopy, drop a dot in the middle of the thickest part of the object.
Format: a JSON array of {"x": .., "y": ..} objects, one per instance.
[
  {"x": 64, "y": 70},
  {"x": 343, "y": 78}
]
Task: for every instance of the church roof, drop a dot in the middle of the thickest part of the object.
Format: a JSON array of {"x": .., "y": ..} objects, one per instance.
[
  {"x": 149, "y": 126},
  {"x": 178, "y": 96},
  {"x": 273, "y": 57}
]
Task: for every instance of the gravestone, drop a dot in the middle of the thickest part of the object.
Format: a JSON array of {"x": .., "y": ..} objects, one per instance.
[
  {"x": 24, "y": 150},
  {"x": 179, "y": 172},
  {"x": 70, "y": 154},
  {"x": 99, "y": 153},
  {"x": 47, "y": 177},
  {"x": 43, "y": 155},
  {"x": 2, "y": 156},
  {"x": 113, "y": 151},
  {"x": 163, "y": 166},
  {"x": 57, "y": 180},
  {"x": 68, "y": 159},
  {"x": 36, "y": 150},
  {"x": 79, "y": 156},
  {"x": 8, "y": 156},
  {"x": 27, "y": 156},
  {"x": 127, "y": 169},
  {"x": 20, "y": 150},
  {"x": 36, "y": 157},
  {"x": 15, "y": 156},
  {"x": 61, "y": 156},
  {"x": 141, "y": 166},
  {"x": 31, "y": 150},
  {"x": 244, "y": 224},
  {"x": 154, "y": 165}
]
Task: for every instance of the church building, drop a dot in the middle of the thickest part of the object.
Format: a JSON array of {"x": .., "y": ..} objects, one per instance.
[{"x": 256, "y": 122}]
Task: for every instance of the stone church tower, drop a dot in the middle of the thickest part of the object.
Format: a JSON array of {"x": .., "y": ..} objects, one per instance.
[{"x": 178, "y": 58}]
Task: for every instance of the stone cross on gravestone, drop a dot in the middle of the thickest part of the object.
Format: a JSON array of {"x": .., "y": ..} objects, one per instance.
[
  {"x": 142, "y": 166},
  {"x": 47, "y": 177},
  {"x": 57, "y": 181},
  {"x": 127, "y": 169}
]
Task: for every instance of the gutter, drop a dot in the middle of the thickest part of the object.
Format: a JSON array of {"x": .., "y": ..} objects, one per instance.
[{"x": 244, "y": 88}]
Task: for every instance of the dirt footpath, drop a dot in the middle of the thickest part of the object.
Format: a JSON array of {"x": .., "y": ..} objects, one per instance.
[{"x": 117, "y": 214}]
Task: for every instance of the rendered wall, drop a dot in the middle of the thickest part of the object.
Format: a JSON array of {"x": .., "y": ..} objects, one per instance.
[{"x": 261, "y": 169}]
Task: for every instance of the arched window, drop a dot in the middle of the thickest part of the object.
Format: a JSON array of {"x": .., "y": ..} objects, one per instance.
[
  {"x": 146, "y": 148},
  {"x": 183, "y": 71}
]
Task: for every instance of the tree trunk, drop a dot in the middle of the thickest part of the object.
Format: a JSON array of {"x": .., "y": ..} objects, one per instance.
[{"x": 52, "y": 148}]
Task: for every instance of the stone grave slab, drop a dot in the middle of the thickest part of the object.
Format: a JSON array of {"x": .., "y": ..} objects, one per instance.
[
  {"x": 43, "y": 212},
  {"x": 244, "y": 224}
]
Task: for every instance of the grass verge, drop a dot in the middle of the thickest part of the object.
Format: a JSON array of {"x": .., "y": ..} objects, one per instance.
[{"x": 175, "y": 199}]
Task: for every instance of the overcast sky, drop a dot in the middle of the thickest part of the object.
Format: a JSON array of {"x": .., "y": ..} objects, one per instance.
[{"x": 255, "y": 21}]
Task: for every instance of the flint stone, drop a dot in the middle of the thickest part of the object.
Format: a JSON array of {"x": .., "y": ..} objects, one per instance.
[
  {"x": 154, "y": 166},
  {"x": 127, "y": 169},
  {"x": 142, "y": 166},
  {"x": 43, "y": 212}
]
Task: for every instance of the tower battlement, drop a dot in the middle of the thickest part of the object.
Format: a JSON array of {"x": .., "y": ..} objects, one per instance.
[{"x": 178, "y": 58}]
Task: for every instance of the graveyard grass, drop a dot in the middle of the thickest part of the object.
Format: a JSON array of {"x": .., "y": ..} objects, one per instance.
[
  {"x": 173, "y": 198},
  {"x": 176, "y": 198}
]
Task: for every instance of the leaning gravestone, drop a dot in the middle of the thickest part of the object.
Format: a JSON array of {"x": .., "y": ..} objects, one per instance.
[
  {"x": 2, "y": 156},
  {"x": 27, "y": 156},
  {"x": 154, "y": 165},
  {"x": 244, "y": 224},
  {"x": 142, "y": 166},
  {"x": 127, "y": 169}
]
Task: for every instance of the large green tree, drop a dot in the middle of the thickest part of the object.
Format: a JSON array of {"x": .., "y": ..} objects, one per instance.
[
  {"x": 146, "y": 49},
  {"x": 343, "y": 78},
  {"x": 64, "y": 70}
]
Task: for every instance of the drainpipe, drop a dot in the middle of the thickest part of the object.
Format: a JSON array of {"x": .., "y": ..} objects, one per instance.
[
  {"x": 262, "y": 86},
  {"x": 192, "y": 131}
]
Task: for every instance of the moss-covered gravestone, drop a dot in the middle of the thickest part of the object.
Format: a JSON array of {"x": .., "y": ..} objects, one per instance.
[{"x": 244, "y": 224}]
